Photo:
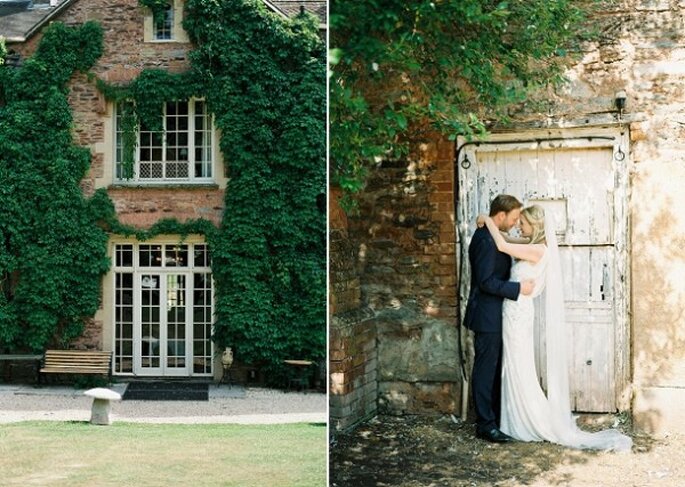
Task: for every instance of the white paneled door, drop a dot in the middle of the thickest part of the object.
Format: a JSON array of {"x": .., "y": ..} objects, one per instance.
[{"x": 583, "y": 183}]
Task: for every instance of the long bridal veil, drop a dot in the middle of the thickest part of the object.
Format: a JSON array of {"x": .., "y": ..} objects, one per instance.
[{"x": 558, "y": 340}]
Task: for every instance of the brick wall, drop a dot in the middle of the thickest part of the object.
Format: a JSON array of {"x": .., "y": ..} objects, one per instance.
[
  {"x": 352, "y": 340},
  {"x": 403, "y": 240},
  {"x": 406, "y": 233}
]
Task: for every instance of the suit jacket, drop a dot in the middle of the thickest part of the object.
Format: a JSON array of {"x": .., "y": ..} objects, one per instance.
[{"x": 490, "y": 271}]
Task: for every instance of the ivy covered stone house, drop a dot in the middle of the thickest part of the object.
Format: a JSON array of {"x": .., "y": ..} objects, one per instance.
[{"x": 157, "y": 303}]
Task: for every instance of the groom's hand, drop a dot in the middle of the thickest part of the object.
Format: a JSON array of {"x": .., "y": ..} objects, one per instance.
[{"x": 527, "y": 287}]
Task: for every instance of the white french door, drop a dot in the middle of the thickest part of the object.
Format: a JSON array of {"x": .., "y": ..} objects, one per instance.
[
  {"x": 163, "y": 309},
  {"x": 162, "y": 327}
]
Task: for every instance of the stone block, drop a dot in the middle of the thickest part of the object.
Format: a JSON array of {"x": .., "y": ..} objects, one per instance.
[
  {"x": 653, "y": 5},
  {"x": 399, "y": 398},
  {"x": 413, "y": 347}
]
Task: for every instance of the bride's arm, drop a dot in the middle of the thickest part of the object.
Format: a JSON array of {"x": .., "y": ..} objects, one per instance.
[
  {"x": 532, "y": 253},
  {"x": 480, "y": 221}
]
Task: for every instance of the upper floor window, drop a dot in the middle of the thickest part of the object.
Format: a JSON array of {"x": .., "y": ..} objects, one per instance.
[
  {"x": 167, "y": 25},
  {"x": 182, "y": 152},
  {"x": 164, "y": 24}
]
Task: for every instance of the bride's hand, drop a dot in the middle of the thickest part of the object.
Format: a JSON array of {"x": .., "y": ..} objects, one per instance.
[{"x": 480, "y": 221}]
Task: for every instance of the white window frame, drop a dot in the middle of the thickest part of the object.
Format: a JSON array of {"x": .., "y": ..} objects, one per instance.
[
  {"x": 137, "y": 180},
  {"x": 169, "y": 18},
  {"x": 178, "y": 33}
]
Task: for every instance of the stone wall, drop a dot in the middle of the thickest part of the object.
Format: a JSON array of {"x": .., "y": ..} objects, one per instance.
[
  {"x": 142, "y": 207},
  {"x": 91, "y": 338}
]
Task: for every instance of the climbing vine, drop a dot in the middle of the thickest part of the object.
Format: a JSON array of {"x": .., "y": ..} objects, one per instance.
[
  {"x": 156, "y": 6},
  {"x": 52, "y": 250},
  {"x": 142, "y": 104},
  {"x": 263, "y": 78},
  {"x": 265, "y": 83}
]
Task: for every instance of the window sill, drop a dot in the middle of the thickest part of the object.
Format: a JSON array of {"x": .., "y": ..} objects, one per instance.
[
  {"x": 166, "y": 41},
  {"x": 162, "y": 185}
]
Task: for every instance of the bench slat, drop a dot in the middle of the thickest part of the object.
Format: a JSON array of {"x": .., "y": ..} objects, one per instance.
[
  {"x": 72, "y": 371},
  {"x": 79, "y": 361},
  {"x": 76, "y": 362},
  {"x": 68, "y": 366}
]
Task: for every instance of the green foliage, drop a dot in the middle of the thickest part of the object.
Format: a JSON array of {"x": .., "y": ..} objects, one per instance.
[
  {"x": 263, "y": 78},
  {"x": 156, "y": 6},
  {"x": 264, "y": 81},
  {"x": 52, "y": 251},
  {"x": 401, "y": 68}
]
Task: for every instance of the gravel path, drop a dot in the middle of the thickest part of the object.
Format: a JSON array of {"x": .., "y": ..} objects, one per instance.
[{"x": 234, "y": 405}]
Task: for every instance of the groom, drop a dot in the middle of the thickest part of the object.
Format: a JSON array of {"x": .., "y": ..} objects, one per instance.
[{"x": 490, "y": 285}]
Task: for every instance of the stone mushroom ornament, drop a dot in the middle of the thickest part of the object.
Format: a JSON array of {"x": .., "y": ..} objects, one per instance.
[{"x": 102, "y": 404}]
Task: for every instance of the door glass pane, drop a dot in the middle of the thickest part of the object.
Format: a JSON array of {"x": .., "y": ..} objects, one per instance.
[
  {"x": 150, "y": 336},
  {"x": 123, "y": 322},
  {"x": 176, "y": 320},
  {"x": 202, "y": 315}
]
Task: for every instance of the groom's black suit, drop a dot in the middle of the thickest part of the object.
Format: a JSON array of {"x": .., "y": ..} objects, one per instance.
[{"x": 490, "y": 285}]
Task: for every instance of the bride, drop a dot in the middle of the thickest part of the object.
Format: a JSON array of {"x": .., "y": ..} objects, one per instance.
[{"x": 527, "y": 413}]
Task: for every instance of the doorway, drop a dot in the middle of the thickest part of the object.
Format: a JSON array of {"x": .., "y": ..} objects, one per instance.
[
  {"x": 580, "y": 178},
  {"x": 163, "y": 310}
]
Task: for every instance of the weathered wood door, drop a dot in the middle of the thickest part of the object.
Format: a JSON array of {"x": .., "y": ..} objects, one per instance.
[{"x": 583, "y": 181}]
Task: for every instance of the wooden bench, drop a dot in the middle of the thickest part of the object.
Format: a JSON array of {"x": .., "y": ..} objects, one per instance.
[{"x": 76, "y": 362}]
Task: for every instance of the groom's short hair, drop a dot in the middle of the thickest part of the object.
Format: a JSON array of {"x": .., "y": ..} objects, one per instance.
[{"x": 505, "y": 203}]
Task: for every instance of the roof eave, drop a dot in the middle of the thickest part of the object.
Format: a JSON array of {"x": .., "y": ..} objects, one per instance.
[
  {"x": 39, "y": 25},
  {"x": 275, "y": 8}
]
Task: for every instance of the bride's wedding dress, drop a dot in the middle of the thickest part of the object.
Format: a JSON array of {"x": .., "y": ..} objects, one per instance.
[{"x": 528, "y": 414}]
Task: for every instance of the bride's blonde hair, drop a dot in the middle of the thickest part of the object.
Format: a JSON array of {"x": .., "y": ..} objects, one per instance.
[{"x": 535, "y": 215}]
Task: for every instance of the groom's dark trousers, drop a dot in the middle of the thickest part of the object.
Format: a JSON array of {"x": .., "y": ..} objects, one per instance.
[{"x": 490, "y": 285}]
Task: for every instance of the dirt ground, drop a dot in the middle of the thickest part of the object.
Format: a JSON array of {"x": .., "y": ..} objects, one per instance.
[{"x": 415, "y": 451}]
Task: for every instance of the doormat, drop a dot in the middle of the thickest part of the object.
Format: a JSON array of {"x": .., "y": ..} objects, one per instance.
[{"x": 167, "y": 391}]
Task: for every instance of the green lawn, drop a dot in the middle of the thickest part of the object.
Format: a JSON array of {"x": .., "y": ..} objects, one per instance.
[{"x": 79, "y": 454}]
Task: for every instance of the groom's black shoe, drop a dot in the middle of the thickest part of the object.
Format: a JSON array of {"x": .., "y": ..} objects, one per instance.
[{"x": 494, "y": 436}]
